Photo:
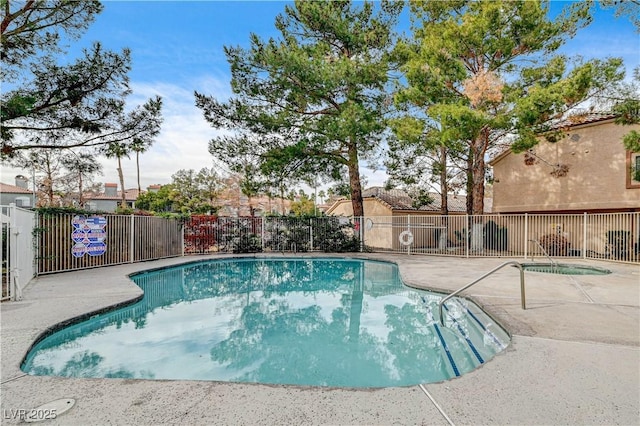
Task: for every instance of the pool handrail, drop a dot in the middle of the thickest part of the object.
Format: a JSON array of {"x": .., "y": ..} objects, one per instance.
[
  {"x": 553, "y": 262},
  {"x": 511, "y": 262}
]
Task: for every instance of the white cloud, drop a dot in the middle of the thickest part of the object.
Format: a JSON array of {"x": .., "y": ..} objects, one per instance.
[{"x": 184, "y": 138}]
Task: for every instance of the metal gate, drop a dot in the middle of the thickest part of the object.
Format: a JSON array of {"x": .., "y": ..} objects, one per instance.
[{"x": 17, "y": 250}]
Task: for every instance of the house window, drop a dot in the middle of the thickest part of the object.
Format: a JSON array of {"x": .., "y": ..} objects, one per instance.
[
  {"x": 23, "y": 202},
  {"x": 633, "y": 170}
]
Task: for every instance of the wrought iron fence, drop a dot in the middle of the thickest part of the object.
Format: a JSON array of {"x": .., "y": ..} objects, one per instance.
[
  {"x": 17, "y": 250},
  {"x": 211, "y": 234},
  {"x": 68, "y": 241},
  {"x": 611, "y": 236},
  {"x": 590, "y": 236}
]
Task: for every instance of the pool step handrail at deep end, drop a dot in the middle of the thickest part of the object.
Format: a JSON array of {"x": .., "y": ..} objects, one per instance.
[{"x": 455, "y": 293}]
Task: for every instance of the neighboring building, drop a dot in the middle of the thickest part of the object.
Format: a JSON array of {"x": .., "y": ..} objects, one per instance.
[
  {"x": 378, "y": 201},
  {"x": 587, "y": 171},
  {"x": 111, "y": 199},
  {"x": 241, "y": 206},
  {"x": 154, "y": 188},
  {"x": 231, "y": 202},
  {"x": 389, "y": 213},
  {"x": 19, "y": 194}
]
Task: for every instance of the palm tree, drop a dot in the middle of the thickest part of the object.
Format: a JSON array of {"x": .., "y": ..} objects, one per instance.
[
  {"x": 139, "y": 146},
  {"x": 119, "y": 150}
]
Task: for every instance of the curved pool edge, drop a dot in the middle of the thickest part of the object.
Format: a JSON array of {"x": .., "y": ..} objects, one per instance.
[
  {"x": 75, "y": 320},
  {"x": 143, "y": 267},
  {"x": 125, "y": 271},
  {"x": 139, "y": 269}
]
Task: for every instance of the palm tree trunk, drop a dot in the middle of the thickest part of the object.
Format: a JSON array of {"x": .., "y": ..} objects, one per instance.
[
  {"x": 123, "y": 200},
  {"x": 138, "y": 170}
]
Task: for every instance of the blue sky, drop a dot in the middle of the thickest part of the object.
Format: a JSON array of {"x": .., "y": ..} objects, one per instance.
[{"x": 177, "y": 47}]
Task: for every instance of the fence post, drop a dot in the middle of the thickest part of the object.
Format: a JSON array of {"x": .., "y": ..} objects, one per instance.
[
  {"x": 12, "y": 256},
  {"x": 131, "y": 240},
  {"x": 182, "y": 237},
  {"x": 36, "y": 243},
  {"x": 584, "y": 236},
  {"x": 467, "y": 235},
  {"x": 409, "y": 229},
  {"x": 362, "y": 234},
  {"x": 262, "y": 220},
  {"x": 526, "y": 234}
]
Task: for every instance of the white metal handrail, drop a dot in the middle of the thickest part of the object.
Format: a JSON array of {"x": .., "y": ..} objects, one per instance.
[
  {"x": 553, "y": 262},
  {"x": 511, "y": 262}
]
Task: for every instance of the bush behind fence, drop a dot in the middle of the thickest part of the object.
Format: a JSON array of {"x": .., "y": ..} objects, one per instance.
[{"x": 211, "y": 234}]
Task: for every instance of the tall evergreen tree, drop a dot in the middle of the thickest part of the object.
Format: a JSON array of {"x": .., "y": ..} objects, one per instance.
[
  {"x": 486, "y": 69},
  {"x": 316, "y": 95},
  {"x": 45, "y": 93}
]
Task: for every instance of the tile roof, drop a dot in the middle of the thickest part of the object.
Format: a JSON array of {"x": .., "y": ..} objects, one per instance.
[
  {"x": 580, "y": 119},
  {"x": 455, "y": 203},
  {"x": 13, "y": 189},
  {"x": 397, "y": 199}
]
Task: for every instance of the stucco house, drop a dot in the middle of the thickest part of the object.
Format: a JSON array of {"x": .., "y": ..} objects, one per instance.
[
  {"x": 588, "y": 170},
  {"x": 378, "y": 201},
  {"x": 390, "y": 212},
  {"x": 111, "y": 199},
  {"x": 18, "y": 194},
  {"x": 232, "y": 202}
]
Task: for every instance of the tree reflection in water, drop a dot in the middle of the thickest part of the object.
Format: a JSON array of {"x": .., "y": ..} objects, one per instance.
[{"x": 332, "y": 322}]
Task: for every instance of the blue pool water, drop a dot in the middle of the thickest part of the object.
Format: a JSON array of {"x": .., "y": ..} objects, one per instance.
[{"x": 324, "y": 322}]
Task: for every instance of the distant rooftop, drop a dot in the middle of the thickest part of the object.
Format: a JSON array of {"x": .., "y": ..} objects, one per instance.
[
  {"x": 129, "y": 195},
  {"x": 580, "y": 119},
  {"x": 13, "y": 189},
  {"x": 397, "y": 199}
]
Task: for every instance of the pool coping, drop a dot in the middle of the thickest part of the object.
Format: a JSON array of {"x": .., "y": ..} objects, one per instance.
[{"x": 498, "y": 299}]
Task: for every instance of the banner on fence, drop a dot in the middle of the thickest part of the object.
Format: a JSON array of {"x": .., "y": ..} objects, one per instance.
[{"x": 88, "y": 234}]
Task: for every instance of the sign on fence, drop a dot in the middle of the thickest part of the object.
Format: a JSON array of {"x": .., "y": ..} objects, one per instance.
[{"x": 88, "y": 234}]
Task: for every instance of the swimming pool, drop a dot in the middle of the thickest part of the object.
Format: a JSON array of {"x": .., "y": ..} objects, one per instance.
[{"x": 310, "y": 321}]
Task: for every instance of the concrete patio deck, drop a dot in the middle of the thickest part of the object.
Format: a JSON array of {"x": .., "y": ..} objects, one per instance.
[{"x": 574, "y": 358}]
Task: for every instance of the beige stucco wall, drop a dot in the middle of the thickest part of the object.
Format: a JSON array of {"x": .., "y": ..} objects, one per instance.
[
  {"x": 371, "y": 208},
  {"x": 383, "y": 226},
  {"x": 378, "y": 237},
  {"x": 596, "y": 180}
]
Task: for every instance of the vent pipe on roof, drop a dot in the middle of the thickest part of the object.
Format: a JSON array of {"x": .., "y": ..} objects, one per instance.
[{"x": 22, "y": 182}]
